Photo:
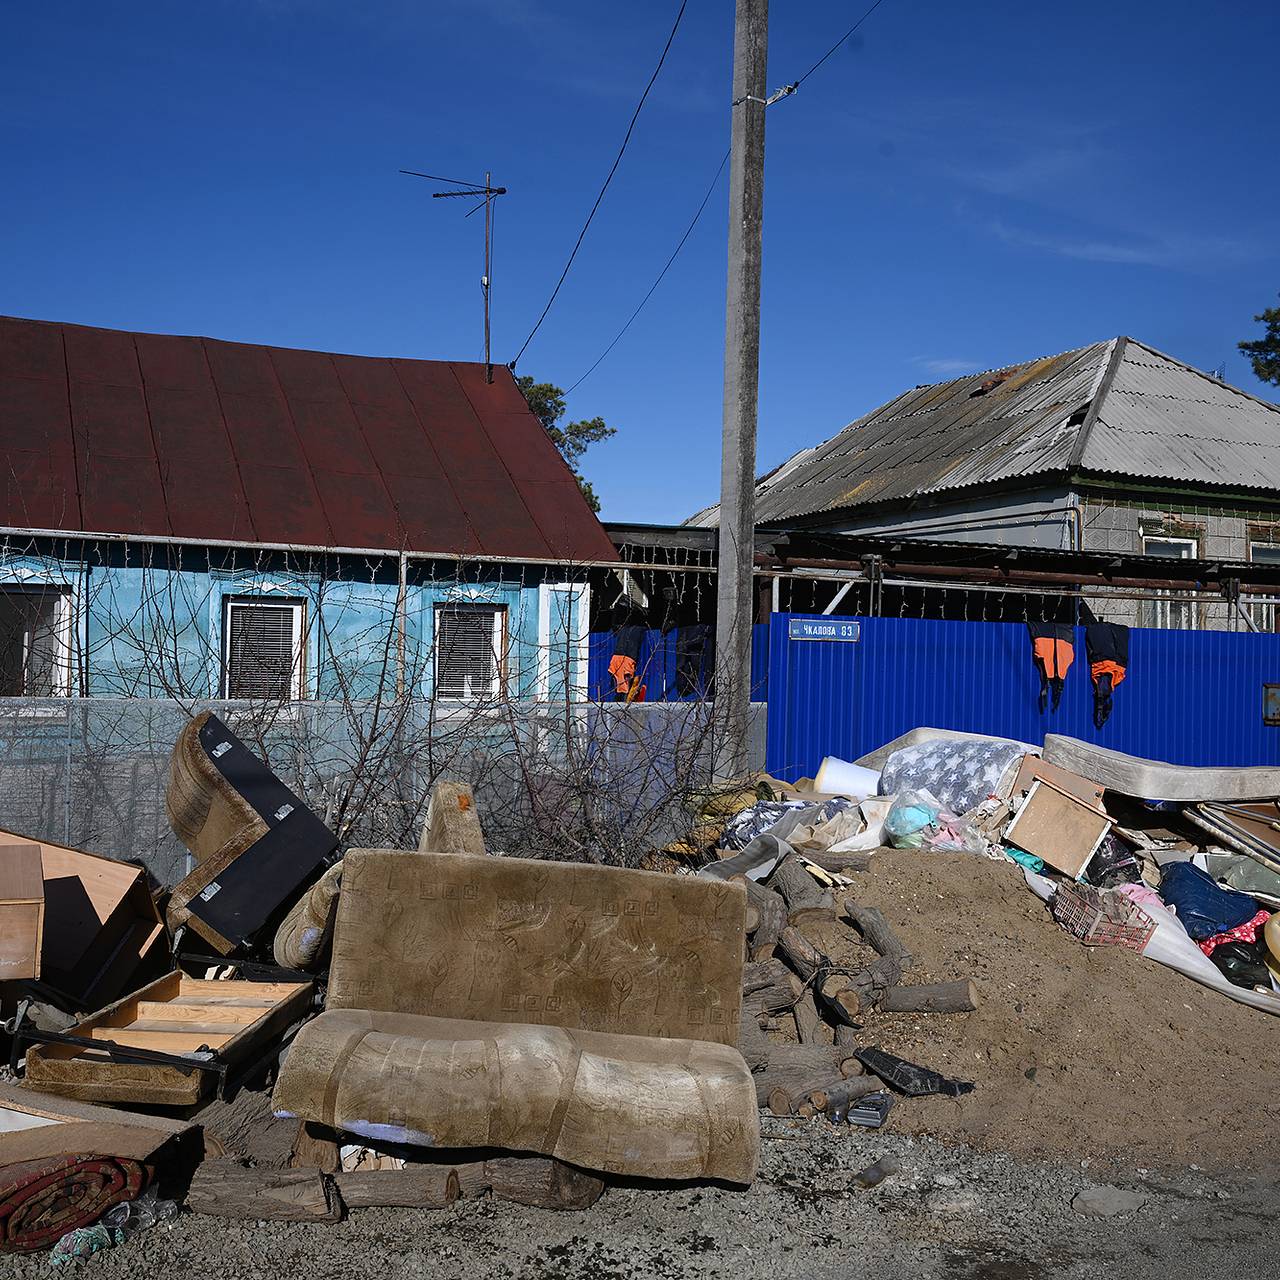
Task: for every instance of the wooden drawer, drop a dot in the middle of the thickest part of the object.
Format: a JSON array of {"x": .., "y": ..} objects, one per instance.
[{"x": 176, "y": 1014}]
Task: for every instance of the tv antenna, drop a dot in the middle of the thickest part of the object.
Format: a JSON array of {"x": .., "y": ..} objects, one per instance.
[{"x": 488, "y": 194}]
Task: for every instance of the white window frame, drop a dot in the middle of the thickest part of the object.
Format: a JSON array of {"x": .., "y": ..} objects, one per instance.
[
  {"x": 1165, "y": 612},
  {"x": 63, "y": 671},
  {"x": 297, "y": 672},
  {"x": 571, "y": 595},
  {"x": 1265, "y": 617},
  {"x": 498, "y": 688}
]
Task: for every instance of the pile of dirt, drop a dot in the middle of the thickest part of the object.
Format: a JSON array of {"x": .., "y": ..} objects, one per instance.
[{"x": 1085, "y": 1052}]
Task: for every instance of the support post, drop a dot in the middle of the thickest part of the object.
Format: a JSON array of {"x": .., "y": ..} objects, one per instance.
[{"x": 736, "y": 542}]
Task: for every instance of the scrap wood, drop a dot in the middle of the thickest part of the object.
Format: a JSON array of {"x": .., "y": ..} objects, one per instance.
[
  {"x": 798, "y": 890},
  {"x": 960, "y": 996},
  {"x": 770, "y": 917},
  {"x": 797, "y": 1070},
  {"x": 453, "y": 822},
  {"x": 838, "y": 1096},
  {"x": 828, "y": 861},
  {"x": 418, "y": 1187},
  {"x": 227, "y": 1189}
]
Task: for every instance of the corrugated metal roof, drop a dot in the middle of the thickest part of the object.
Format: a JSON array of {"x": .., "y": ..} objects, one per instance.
[
  {"x": 1157, "y": 419},
  {"x": 135, "y": 433}
]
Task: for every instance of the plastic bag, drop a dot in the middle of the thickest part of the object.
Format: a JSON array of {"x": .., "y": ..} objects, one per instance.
[
  {"x": 1203, "y": 908},
  {"x": 912, "y": 819}
]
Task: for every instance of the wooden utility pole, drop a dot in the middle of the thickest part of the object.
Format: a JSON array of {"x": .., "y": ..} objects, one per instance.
[{"x": 734, "y": 594}]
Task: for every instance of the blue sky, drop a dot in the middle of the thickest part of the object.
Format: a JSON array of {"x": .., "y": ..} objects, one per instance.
[{"x": 961, "y": 186}]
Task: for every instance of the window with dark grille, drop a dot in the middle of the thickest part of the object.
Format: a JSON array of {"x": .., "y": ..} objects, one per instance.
[
  {"x": 33, "y": 659},
  {"x": 263, "y": 649},
  {"x": 470, "y": 640}
]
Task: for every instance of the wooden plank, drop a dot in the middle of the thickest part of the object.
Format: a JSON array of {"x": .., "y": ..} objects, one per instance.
[
  {"x": 21, "y": 911},
  {"x": 21, "y": 878},
  {"x": 174, "y": 1011},
  {"x": 165, "y": 1041},
  {"x": 1073, "y": 784},
  {"x": 1058, "y": 827},
  {"x": 270, "y": 992}
]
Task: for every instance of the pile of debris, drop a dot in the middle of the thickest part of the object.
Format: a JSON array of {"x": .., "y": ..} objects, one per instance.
[{"x": 441, "y": 1023}]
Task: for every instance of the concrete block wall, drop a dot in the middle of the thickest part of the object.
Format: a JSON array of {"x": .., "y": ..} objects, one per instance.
[{"x": 1120, "y": 524}]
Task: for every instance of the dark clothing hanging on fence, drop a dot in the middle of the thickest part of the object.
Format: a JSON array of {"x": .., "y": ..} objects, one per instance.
[
  {"x": 695, "y": 645},
  {"x": 1107, "y": 645},
  {"x": 1053, "y": 651}
]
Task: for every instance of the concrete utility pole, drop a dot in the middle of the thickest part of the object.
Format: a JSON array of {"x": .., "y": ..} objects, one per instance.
[{"x": 734, "y": 591}]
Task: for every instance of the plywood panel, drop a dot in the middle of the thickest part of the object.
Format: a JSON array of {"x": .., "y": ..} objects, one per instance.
[{"x": 510, "y": 940}]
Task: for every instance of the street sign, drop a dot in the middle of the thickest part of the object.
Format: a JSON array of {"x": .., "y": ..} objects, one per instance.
[{"x": 822, "y": 629}]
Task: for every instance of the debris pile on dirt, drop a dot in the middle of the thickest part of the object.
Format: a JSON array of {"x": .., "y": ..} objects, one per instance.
[{"x": 1077, "y": 1051}]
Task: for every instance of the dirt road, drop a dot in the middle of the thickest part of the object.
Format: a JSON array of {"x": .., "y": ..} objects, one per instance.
[{"x": 950, "y": 1213}]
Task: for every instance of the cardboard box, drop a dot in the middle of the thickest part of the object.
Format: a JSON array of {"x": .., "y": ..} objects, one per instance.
[{"x": 21, "y": 911}]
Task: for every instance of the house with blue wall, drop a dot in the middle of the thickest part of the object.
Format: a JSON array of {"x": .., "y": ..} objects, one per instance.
[{"x": 187, "y": 518}]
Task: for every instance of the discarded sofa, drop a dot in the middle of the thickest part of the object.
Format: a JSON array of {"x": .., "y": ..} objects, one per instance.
[
  {"x": 255, "y": 842},
  {"x": 580, "y": 1012}
]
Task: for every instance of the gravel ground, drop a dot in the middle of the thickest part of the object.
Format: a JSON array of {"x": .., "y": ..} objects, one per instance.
[{"x": 950, "y": 1213}]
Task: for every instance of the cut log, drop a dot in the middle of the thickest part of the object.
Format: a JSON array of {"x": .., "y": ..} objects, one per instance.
[
  {"x": 839, "y": 1095},
  {"x": 808, "y": 1023},
  {"x": 543, "y": 1183},
  {"x": 932, "y": 997},
  {"x": 839, "y": 861},
  {"x": 780, "y": 997},
  {"x": 771, "y": 917},
  {"x": 798, "y": 889},
  {"x": 799, "y": 952},
  {"x": 846, "y": 1036},
  {"x": 763, "y": 973},
  {"x": 315, "y": 1147},
  {"x": 453, "y": 824},
  {"x": 799, "y": 1069},
  {"x": 414, "y": 1187},
  {"x": 875, "y": 929},
  {"x": 226, "y": 1189}
]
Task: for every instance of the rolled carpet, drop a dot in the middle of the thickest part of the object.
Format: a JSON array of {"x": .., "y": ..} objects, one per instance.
[{"x": 41, "y": 1200}]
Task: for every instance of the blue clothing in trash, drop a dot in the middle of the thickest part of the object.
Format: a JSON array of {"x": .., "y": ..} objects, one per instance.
[{"x": 1204, "y": 908}]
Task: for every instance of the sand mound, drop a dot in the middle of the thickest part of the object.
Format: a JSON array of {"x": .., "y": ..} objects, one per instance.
[{"x": 1076, "y": 1051}]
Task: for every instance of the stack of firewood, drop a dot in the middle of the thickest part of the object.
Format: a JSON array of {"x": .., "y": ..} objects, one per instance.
[{"x": 787, "y": 976}]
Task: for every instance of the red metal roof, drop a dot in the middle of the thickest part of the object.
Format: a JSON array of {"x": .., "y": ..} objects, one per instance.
[{"x": 136, "y": 433}]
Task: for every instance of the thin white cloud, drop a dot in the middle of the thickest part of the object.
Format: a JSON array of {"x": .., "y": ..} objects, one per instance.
[
  {"x": 1178, "y": 250},
  {"x": 945, "y": 366}
]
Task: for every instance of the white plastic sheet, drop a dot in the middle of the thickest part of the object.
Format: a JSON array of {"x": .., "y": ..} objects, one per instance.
[{"x": 1171, "y": 945}]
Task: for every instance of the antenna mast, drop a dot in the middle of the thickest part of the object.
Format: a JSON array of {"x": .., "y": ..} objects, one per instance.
[{"x": 489, "y": 194}]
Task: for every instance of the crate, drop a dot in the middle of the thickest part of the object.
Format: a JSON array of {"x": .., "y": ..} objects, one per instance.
[{"x": 1100, "y": 918}]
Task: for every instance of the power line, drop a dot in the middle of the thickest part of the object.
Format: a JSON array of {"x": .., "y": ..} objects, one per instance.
[
  {"x": 838, "y": 43},
  {"x": 635, "y": 115},
  {"x": 784, "y": 92},
  {"x": 675, "y": 254}
]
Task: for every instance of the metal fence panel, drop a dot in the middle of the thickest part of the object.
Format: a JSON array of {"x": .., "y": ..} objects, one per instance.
[{"x": 1191, "y": 697}]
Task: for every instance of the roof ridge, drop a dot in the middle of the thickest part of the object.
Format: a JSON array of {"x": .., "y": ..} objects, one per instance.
[
  {"x": 1208, "y": 377},
  {"x": 1100, "y": 389}
]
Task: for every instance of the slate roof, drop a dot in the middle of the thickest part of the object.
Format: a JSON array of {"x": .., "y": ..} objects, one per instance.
[
  {"x": 132, "y": 433},
  {"x": 1116, "y": 408}
]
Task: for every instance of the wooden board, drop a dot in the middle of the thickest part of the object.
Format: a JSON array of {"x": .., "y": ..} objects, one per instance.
[
  {"x": 175, "y": 1014},
  {"x": 1058, "y": 827},
  {"x": 21, "y": 911},
  {"x": 101, "y": 927},
  {"x": 1073, "y": 784},
  {"x": 514, "y": 940}
]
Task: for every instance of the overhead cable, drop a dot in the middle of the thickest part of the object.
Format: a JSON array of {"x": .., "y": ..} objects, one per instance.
[
  {"x": 675, "y": 254},
  {"x": 635, "y": 115}
]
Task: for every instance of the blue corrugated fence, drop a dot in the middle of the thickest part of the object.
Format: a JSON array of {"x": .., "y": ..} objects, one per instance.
[
  {"x": 657, "y": 665},
  {"x": 1191, "y": 697}
]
